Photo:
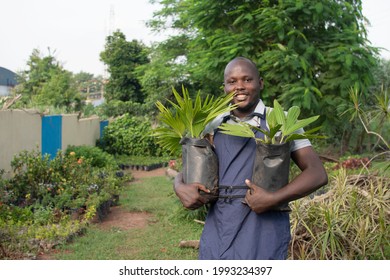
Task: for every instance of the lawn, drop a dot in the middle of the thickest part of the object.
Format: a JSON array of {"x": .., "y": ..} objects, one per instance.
[{"x": 159, "y": 240}]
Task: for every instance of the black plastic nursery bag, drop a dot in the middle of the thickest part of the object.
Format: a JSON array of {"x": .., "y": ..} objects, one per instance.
[
  {"x": 200, "y": 164},
  {"x": 271, "y": 168}
]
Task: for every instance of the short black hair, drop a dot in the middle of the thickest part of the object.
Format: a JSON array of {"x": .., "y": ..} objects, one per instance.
[{"x": 241, "y": 58}]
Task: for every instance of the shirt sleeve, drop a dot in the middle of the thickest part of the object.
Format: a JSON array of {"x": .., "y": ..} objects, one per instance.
[{"x": 299, "y": 144}]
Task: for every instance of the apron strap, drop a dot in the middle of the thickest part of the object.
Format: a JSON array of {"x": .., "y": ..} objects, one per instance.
[{"x": 229, "y": 189}]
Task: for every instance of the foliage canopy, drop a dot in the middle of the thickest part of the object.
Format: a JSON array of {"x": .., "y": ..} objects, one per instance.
[
  {"x": 121, "y": 58},
  {"x": 47, "y": 83},
  {"x": 309, "y": 52}
]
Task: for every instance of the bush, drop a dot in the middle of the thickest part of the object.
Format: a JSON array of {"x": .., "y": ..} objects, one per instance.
[
  {"x": 145, "y": 162},
  {"x": 65, "y": 182},
  {"x": 131, "y": 136},
  {"x": 97, "y": 156},
  {"x": 349, "y": 221},
  {"x": 37, "y": 203}
]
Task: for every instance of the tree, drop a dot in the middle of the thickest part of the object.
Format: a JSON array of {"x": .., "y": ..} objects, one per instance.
[
  {"x": 167, "y": 69},
  {"x": 382, "y": 76},
  {"x": 59, "y": 91},
  {"x": 84, "y": 81},
  {"x": 121, "y": 58},
  {"x": 46, "y": 83},
  {"x": 309, "y": 52}
]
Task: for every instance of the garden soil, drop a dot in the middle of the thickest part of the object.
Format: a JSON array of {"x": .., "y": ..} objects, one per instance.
[{"x": 119, "y": 217}]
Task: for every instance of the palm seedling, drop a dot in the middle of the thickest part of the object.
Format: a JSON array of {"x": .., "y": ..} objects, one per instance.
[
  {"x": 272, "y": 159},
  {"x": 282, "y": 127},
  {"x": 188, "y": 117},
  {"x": 184, "y": 123}
]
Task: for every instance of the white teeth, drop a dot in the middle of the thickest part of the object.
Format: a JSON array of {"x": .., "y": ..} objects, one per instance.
[{"x": 240, "y": 97}]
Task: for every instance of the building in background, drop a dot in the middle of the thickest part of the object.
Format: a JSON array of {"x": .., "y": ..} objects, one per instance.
[{"x": 7, "y": 81}]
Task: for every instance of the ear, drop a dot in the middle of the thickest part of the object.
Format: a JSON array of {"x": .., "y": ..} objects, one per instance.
[{"x": 261, "y": 83}]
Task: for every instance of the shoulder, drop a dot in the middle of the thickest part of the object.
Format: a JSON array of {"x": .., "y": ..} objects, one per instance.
[{"x": 213, "y": 125}]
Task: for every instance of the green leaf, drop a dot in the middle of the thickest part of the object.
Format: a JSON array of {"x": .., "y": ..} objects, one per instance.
[
  {"x": 281, "y": 47},
  {"x": 240, "y": 129},
  {"x": 298, "y": 125},
  {"x": 292, "y": 116},
  {"x": 188, "y": 117},
  {"x": 279, "y": 113},
  {"x": 319, "y": 8},
  {"x": 278, "y": 121}
]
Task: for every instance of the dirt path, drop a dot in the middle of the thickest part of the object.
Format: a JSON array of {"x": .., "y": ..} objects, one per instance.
[
  {"x": 119, "y": 217},
  {"x": 152, "y": 173}
]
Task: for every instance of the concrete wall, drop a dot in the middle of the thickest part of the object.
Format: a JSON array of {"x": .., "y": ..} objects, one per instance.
[
  {"x": 23, "y": 130},
  {"x": 19, "y": 130},
  {"x": 79, "y": 132}
]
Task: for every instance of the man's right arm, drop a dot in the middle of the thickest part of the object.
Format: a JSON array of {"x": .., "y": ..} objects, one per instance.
[{"x": 189, "y": 194}]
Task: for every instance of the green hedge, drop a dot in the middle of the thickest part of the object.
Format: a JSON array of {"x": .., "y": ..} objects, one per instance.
[{"x": 130, "y": 136}]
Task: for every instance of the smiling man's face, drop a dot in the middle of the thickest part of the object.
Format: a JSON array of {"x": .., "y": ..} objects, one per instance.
[{"x": 242, "y": 78}]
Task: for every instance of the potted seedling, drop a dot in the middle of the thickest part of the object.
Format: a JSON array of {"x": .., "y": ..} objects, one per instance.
[
  {"x": 182, "y": 131},
  {"x": 272, "y": 160}
]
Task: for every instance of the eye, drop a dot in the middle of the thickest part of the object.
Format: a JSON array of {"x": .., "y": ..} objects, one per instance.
[
  {"x": 248, "y": 80},
  {"x": 231, "y": 82}
]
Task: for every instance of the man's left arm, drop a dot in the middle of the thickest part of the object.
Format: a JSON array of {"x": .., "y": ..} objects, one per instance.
[{"x": 312, "y": 177}]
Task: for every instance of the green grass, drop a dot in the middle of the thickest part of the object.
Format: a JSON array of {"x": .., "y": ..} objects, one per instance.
[
  {"x": 350, "y": 221},
  {"x": 157, "y": 241}
]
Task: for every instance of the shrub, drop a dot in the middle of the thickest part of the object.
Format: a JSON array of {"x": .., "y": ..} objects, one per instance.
[
  {"x": 64, "y": 183},
  {"x": 131, "y": 136},
  {"x": 125, "y": 161},
  {"x": 37, "y": 203},
  {"x": 350, "y": 221},
  {"x": 97, "y": 156}
]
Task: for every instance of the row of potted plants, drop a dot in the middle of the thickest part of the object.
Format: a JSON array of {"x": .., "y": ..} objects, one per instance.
[{"x": 145, "y": 163}]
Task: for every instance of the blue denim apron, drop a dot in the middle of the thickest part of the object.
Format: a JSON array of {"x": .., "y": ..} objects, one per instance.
[{"x": 232, "y": 230}]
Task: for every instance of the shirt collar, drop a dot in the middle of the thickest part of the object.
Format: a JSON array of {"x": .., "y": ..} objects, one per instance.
[{"x": 259, "y": 111}]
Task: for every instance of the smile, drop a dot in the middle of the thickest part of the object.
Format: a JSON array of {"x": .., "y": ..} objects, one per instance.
[{"x": 240, "y": 96}]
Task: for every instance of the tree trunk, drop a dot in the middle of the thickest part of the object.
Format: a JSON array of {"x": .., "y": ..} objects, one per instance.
[{"x": 345, "y": 142}]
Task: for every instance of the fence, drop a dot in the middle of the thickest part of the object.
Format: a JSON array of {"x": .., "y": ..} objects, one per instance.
[{"x": 27, "y": 130}]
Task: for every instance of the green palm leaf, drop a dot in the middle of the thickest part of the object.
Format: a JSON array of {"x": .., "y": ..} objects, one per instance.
[
  {"x": 187, "y": 117},
  {"x": 298, "y": 125},
  {"x": 279, "y": 113},
  {"x": 278, "y": 121},
  {"x": 292, "y": 116},
  {"x": 240, "y": 129}
]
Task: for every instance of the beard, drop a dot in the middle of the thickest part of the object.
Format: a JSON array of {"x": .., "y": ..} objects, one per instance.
[{"x": 248, "y": 108}]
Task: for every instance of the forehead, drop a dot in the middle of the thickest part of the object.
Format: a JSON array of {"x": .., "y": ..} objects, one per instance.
[{"x": 240, "y": 68}]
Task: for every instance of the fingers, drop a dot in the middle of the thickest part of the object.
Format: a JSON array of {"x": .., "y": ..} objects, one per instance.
[
  {"x": 252, "y": 187},
  {"x": 245, "y": 201},
  {"x": 203, "y": 188},
  {"x": 191, "y": 197}
]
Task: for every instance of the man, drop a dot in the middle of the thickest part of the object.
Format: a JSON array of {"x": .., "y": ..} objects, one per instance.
[{"x": 244, "y": 226}]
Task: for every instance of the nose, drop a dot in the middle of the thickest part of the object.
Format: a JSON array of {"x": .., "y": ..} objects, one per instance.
[{"x": 239, "y": 86}]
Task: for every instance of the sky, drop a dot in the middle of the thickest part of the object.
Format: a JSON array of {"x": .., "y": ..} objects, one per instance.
[{"x": 74, "y": 31}]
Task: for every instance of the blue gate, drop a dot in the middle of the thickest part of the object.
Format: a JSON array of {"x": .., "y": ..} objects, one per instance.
[{"x": 51, "y": 135}]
